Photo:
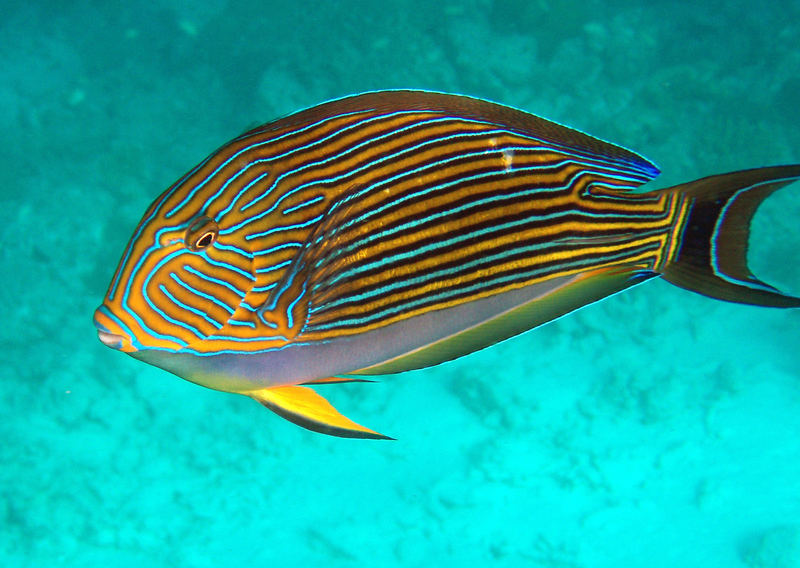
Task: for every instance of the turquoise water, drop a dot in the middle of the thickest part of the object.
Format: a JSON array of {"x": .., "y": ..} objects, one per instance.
[{"x": 658, "y": 428}]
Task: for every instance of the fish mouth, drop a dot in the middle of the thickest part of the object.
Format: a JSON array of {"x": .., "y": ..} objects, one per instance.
[
  {"x": 110, "y": 339},
  {"x": 107, "y": 336}
]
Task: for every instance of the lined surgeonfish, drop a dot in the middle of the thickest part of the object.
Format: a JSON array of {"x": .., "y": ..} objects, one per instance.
[{"x": 395, "y": 230}]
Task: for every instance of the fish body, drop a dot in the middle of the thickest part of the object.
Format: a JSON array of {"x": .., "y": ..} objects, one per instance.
[{"x": 399, "y": 229}]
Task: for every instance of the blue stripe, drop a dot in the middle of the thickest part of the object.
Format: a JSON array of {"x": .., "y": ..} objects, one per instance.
[
  {"x": 134, "y": 239},
  {"x": 489, "y": 260},
  {"x": 248, "y": 307},
  {"x": 370, "y": 165},
  {"x": 385, "y": 235},
  {"x": 146, "y": 298},
  {"x": 208, "y": 297},
  {"x": 290, "y": 307},
  {"x": 127, "y": 330},
  {"x": 306, "y": 223},
  {"x": 271, "y": 125},
  {"x": 334, "y": 134},
  {"x": 240, "y": 251},
  {"x": 230, "y": 267},
  {"x": 276, "y": 248},
  {"x": 366, "y": 167},
  {"x": 620, "y": 174},
  {"x": 236, "y": 197},
  {"x": 639, "y": 162},
  {"x": 312, "y": 201},
  {"x": 478, "y": 285},
  {"x": 207, "y": 278},
  {"x": 187, "y": 308},
  {"x": 432, "y": 189},
  {"x": 247, "y": 351},
  {"x": 144, "y": 222},
  {"x": 274, "y": 267},
  {"x": 266, "y": 288},
  {"x": 191, "y": 195},
  {"x": 170, "y": 319},
  {"x": 232, "y": 179},
  {"x": 150, "y": 250},
  {"x": 445, "y": 162}
]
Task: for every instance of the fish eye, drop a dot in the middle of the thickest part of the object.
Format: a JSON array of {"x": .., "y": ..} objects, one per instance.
[{"x": 202, "y": 232}]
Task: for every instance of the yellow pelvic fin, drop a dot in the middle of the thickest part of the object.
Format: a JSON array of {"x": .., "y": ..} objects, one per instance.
[{"x": 304, "y": 407}]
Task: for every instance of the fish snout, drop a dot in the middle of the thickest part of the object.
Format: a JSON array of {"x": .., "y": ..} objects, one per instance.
[
  {"x": 110, "y": 339},
  {"x": 109, "y": 334}
]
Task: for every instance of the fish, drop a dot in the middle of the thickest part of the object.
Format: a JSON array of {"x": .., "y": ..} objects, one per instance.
[{"x": 396, "y": 230}]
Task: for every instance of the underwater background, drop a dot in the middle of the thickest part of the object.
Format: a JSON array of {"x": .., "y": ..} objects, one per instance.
[{"x": 658, "y": 428}]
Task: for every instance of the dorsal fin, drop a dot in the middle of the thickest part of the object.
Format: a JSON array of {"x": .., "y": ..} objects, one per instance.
[{"x": 470, "y": 108}]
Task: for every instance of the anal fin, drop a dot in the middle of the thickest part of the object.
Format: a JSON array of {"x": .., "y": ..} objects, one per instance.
[{"x": 304, "y": 407}]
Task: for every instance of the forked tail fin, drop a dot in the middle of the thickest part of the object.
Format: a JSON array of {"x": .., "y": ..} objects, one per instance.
[{"x": 712, "y": 254}]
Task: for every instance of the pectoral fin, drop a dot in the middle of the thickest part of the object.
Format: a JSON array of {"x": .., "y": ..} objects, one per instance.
[
  {"x": 286, "y": 309},
  {"x": 304, "y": 407}
]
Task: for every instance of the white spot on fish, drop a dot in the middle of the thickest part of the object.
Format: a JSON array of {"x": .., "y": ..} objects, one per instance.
[{"x": 508, "y": 159}]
